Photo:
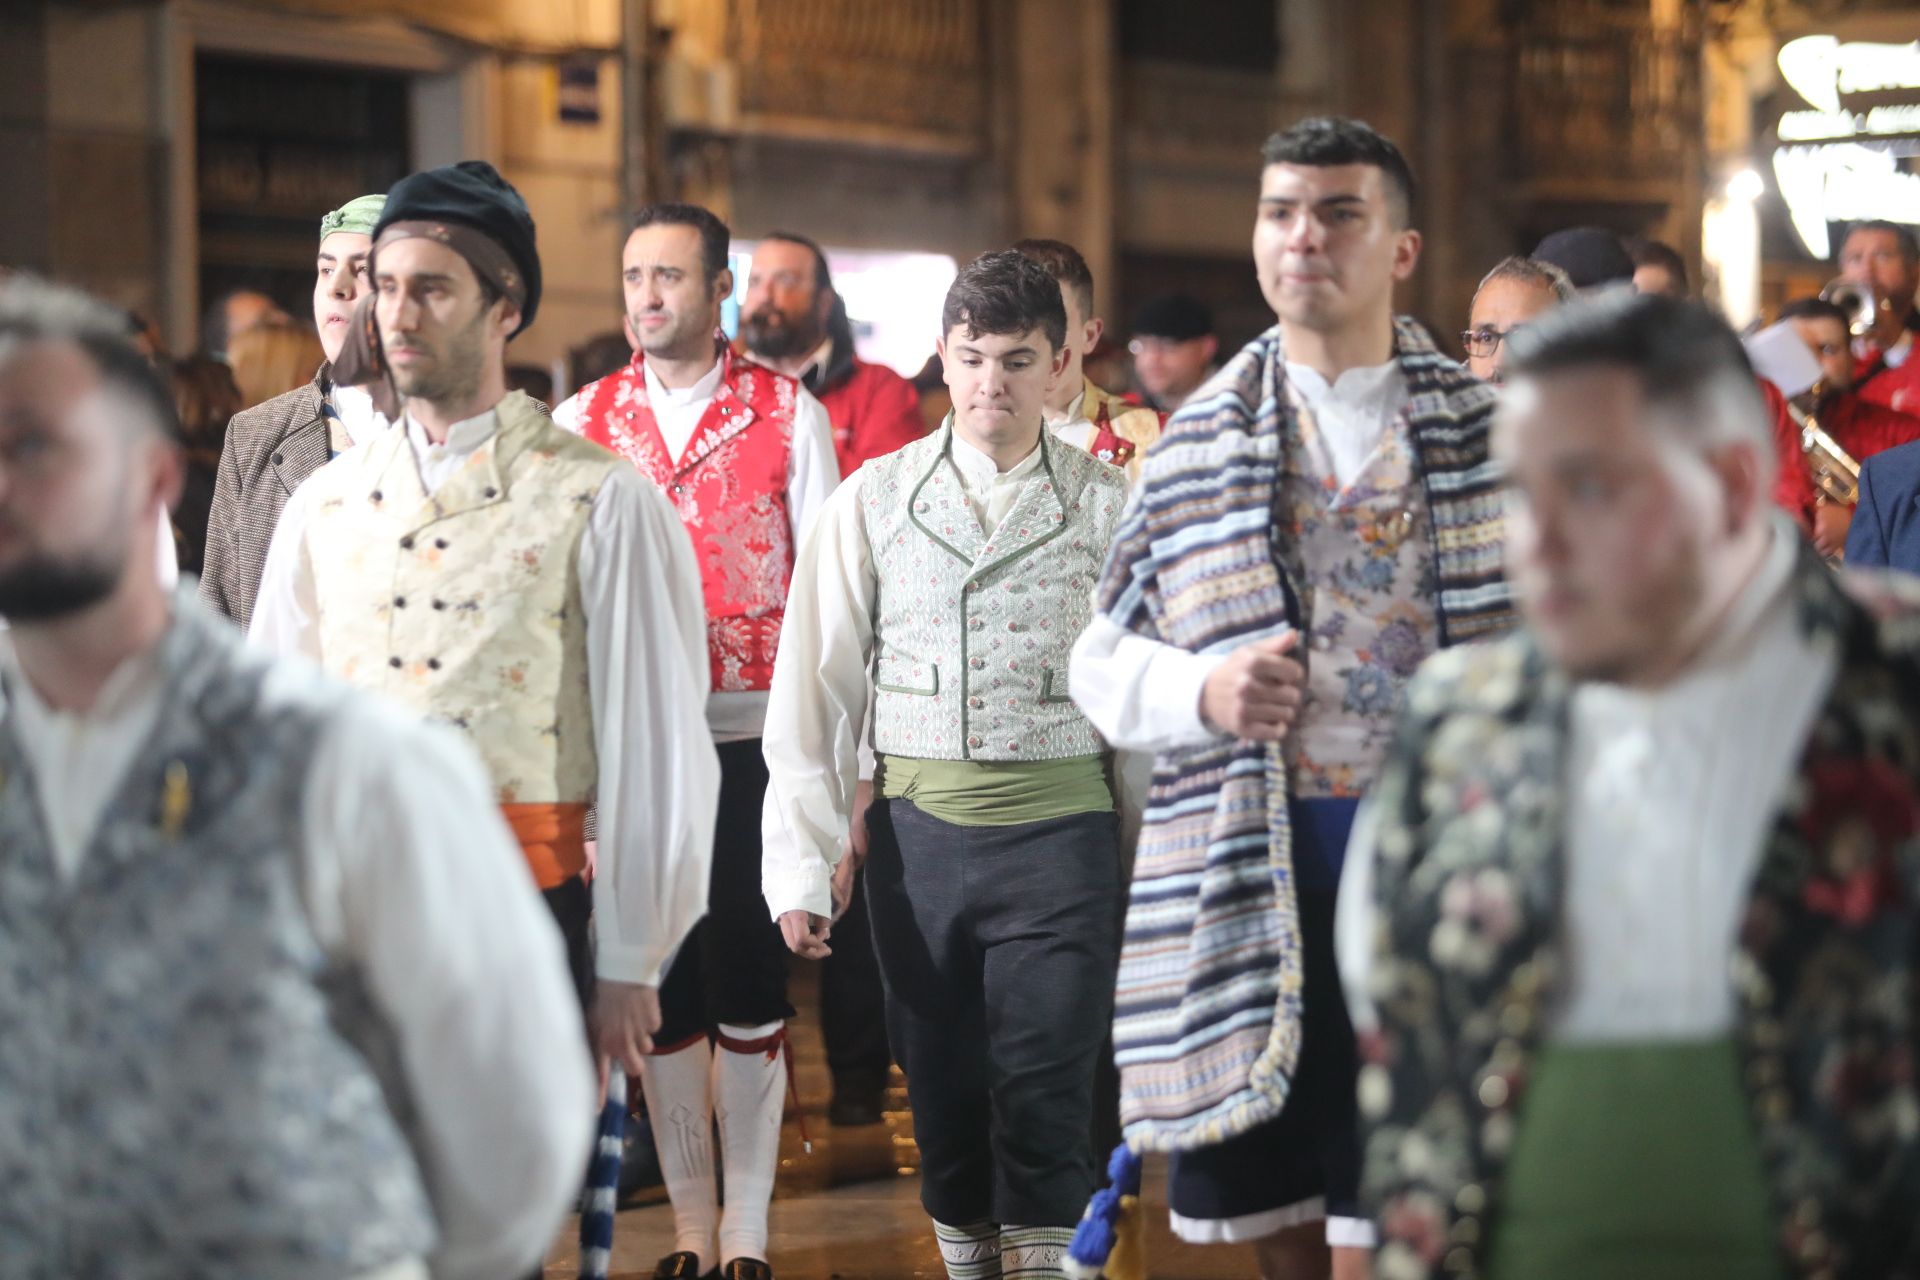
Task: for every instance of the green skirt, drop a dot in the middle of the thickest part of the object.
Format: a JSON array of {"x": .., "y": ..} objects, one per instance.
[{"x": 1635, "y": 1160}]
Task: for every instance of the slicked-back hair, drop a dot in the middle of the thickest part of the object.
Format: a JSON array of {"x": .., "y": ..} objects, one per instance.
[
  {"x": 1531, "y": 271},
  {"x": 1903, "y": 235},
  {"x": 822, "y": 276},
  {"x": 1068, "y": 269},
  {"x": 715, "y": 237},
  {"x": 34, "y": 310},
  {"x": 1693, "y": 372},
  {"x": 1325, "y": 142},
  {"x": 1816, "y": 309},
  {"x": 1005, "y": 293},
  {"x": 1657, "y": 253}
]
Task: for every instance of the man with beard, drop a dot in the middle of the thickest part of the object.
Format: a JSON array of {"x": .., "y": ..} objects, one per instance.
[
  {"x": 278, "y": 999},
  {"x": 272, "y": 448},
  {"x": 1634, "y": 930},
  {"x": 1317, "y": 522},
  {"x": 745, "y": 455},
  {"x": 795, "y": 323},
  {"x": 491, "y": 571}
]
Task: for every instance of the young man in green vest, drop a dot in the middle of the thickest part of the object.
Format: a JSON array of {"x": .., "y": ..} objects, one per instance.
[{"x": 940, "y": 593}]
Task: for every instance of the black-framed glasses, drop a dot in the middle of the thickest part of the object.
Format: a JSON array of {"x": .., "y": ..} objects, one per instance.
[{"x": 1485, "y": 340}]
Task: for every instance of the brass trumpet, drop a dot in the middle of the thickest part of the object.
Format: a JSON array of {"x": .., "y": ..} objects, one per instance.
[
  {"x": 1858, "y": 300},
  {"x": 1835, "y": 472}
]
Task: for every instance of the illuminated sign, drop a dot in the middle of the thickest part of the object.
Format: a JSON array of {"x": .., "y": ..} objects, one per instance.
[{"x": 1838, "y": 164}]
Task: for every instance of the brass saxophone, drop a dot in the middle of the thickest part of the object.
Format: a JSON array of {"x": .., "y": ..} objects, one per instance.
[{"x": 1835, "y": 472}]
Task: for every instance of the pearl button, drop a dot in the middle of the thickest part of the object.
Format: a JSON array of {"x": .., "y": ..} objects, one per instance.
[
  {"x": 973, "y": 742},
  {"x": 976, "y": 663}
]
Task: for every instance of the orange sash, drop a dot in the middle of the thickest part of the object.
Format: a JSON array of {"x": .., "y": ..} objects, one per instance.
[{"x": 554, "y": 838}]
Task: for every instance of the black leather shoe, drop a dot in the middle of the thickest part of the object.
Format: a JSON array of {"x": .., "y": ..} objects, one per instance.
[
  {"x": 746, "y": 1269},
  {"x": 681, "y": 1266}
]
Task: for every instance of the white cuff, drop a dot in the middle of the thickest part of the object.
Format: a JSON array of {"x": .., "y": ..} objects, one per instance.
[
  {"x": 808, "y": 888},
  {"x": 639, "y": 964},
  {"x": 1352, "y": 1233}
]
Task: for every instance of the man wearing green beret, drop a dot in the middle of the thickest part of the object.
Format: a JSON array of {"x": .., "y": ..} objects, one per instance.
[{"x": 272, "y": 447}]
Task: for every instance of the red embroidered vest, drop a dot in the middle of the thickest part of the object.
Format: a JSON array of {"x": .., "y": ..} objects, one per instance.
[{"x": 730, "y": 487}]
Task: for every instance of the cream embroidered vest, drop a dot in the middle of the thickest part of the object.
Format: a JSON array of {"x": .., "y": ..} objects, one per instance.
[
  {"x": 972, "y": 631},
  {"x": 465, "y": 605}
]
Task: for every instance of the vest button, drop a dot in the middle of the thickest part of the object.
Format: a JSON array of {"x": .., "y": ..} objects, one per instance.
[
  {"x": 976, "y": 663},
  {"x": 406, "y": 543},
  {"x": 277, "y": 459},
  {"x": 375, "y": 495},
  {"x": 490, "y": 492},
  {"x": 976, "y": 703},
  {"x": 440, "y": 543},
  {"x": 394, "y": 661},
  {"x": 973, "y": 742},
  {"x": 976, "y": 624},
  {"x": 439, "y": 604},
  {"x": 433, "y": 664},
  {"x": 399, "y": 602}
]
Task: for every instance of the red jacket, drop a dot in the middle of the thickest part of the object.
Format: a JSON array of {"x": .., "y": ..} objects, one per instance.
[
  {"x": 873, "y": 410},
  {"x": 1858, "y": 425},
  {"x": 1895, "y": 389},
  {"x": 1793, "y": 490}
]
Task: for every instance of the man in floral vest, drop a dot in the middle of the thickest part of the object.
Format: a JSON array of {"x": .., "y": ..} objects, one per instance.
[
  {"x": 746, "y": 456},
  {"x": 1632, "y": 943},
  {"x": 938, "y": 598}
]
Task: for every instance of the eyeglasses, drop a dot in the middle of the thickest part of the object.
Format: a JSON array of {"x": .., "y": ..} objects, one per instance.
[{"x": 1484, "y": 342}]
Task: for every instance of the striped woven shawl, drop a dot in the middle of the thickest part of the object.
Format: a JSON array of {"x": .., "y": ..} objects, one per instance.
[{"x": 1207, "y": 1019}]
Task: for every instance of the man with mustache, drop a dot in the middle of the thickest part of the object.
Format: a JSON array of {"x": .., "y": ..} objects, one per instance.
[
  {"x": 746, "y": 458},
  {"x": 272, "y": 448},
  {"x": 278, "y": 997},
  {"x": 495, "y": 573}
]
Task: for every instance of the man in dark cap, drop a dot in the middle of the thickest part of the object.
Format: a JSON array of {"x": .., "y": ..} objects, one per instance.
[
  {"x": 491, "y": 571},
  {"x": 1591, "y": 256},
  {"x": 1173, "y": 349}
]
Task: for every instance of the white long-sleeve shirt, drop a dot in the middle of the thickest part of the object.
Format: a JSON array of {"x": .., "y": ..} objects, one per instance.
[
  {"x": 659, "y": 777},
  {"x": 821, "y": 691},
  {"x": 812, "y": 472},
  {"x": 409, "y": 878},
  {"x": 1670, "y": 796}
]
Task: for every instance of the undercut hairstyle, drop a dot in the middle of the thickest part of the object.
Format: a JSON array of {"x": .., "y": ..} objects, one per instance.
[
  {"x": 1903, "y": 235},
  {"x": 1068, "y": 269},
  {"x": 33, "y": 310},
  {"x": 1324, "y": 142},
  {"x": 1693, "y": 373},
  {"x": 1657, "y": 253},
  {"x": 715, "y": 237},
  {"x": 822, "y": 277},
  {"x": 1005, "y": 293},
  {"x": 1816, "y": 309},
  {"x": 1531, "y": 271}
]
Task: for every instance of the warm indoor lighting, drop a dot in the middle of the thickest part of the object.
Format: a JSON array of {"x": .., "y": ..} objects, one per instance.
[{"x": 1745, "y": 186}]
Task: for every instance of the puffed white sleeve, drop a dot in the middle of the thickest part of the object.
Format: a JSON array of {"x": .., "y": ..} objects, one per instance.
[
  {"x": 659, "y": 789},
  {"x": 817, "y": 709},
  {"x": 415, "y": 883},
  {"x": 813, "y": 470},
  {"x": 286, "y": 611},
  {"x": 1141, "y": 694}
]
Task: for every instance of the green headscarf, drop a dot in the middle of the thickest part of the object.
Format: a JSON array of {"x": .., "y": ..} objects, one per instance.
[{"x": 357, "y": 215}]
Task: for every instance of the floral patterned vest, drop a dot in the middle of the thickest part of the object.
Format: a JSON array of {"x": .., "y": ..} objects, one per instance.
[
  {"x": 466, "y": 605},
  {"x": 972, "y": 630},
  {"x": 730, "y": 487}
]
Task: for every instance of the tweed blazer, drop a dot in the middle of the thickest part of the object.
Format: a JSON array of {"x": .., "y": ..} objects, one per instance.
[
  {"x": 270, "y": 449},
  {"x": 1826, "y": 969}
]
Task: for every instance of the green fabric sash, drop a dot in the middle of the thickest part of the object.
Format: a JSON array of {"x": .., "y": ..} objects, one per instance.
[
  {"x": 995, "y": 793},
  {"x": 1635, "y": 1160}
]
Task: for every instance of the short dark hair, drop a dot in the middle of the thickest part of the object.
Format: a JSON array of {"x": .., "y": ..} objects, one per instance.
[
  {"x": 1909, "y": 246},
  {"x": 1657, "y": 253},
  {"x": 1816, "y": 309},
  {"x": 1321, "y": 142},
  {"x": 1005, "y": 292},
  {"x": 822, "y": 276},
  {"x": 1688, "y": 362},
  {"x": 34, "y": 310},
  {"x": 1064, "y": 263},
  {"x": 715, "y": 237}
]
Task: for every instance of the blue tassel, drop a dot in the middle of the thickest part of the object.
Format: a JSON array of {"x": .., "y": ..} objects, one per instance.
[
  {"x": 603, "y": 1183},
  {"x": 1094, "y": 1239}
]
